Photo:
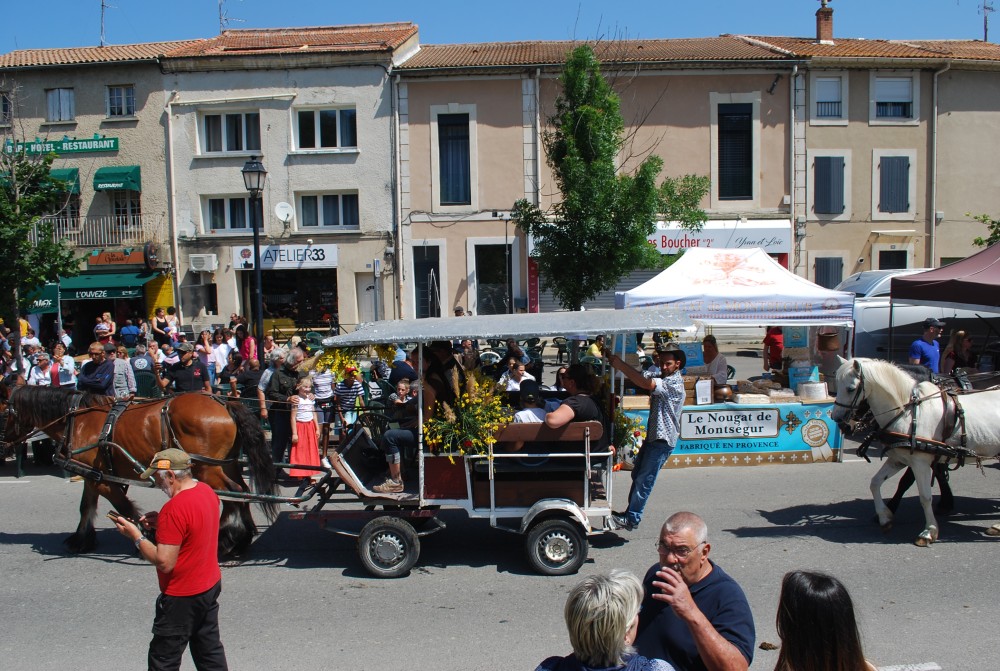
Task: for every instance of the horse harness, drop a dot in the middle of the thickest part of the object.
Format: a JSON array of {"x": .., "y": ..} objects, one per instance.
[
  {"x": 953, "y": 417},
  {"x": 107, "y": 446}
]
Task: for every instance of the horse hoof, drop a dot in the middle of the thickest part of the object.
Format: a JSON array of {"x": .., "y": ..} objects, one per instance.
[
  {"x": 922, "y": 542},
  {"x": 926, "y": 537},
  {"x": 993, "y": 530}
]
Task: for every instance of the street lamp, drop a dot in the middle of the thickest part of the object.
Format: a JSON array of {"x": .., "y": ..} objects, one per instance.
[{"x": 254, "y": 175}]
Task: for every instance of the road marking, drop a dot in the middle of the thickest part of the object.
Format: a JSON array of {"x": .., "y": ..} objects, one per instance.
[
  {"x": 15, "y": 482},
  {"x": 925, "y": 666}
]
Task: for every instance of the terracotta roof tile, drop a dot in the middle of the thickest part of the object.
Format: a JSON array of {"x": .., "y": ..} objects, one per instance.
[
  {"x": 858, "y": 48},
  {"x": 111, "y": 53},
  {"x": 499, "y": 54},
  {"x": 374, "y": 37}
]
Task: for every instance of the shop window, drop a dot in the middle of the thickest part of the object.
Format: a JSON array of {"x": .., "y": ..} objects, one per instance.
[
  {"x": 426, "y": 280},
  {"x": 6, "y": 109},
  {"x": 329, "y": 210},
  {"x": 303, "y": 298},
  {"x": 60, "y": 105},
  {"x": 232, "y": 214},
  {"x": 232, "y": 132},
  {"x": 121, "y": 101},
  {"x": 327, "y": 129},
  {"x": 735, "y": 157},
  {"x": 126, "y": 206}
]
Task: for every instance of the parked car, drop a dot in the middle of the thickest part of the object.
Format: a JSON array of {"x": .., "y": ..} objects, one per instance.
[{"x": 872, "y": 314}]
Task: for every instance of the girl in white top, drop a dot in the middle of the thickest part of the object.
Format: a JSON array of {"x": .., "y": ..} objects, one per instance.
[{"x": 305, "y": 433}]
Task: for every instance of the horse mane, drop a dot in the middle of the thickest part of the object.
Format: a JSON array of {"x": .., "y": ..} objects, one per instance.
[
  {"x": 41, "y": 405},
  {"x": 891, "y": 378}
]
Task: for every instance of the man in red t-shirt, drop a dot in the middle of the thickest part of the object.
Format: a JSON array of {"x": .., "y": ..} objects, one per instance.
[{"x": 187, "y": 566}]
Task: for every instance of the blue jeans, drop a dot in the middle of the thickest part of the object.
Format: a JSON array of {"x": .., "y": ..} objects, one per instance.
[
  {"x": 395, "y": 440},
  {"x": 652, "y": 455}
]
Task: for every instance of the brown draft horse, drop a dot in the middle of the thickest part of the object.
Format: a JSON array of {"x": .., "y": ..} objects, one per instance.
[{"x": 202, "y": 425}]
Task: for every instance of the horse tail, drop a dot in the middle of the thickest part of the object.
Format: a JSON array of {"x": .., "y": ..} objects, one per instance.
[{"x": 250, "y": 438}]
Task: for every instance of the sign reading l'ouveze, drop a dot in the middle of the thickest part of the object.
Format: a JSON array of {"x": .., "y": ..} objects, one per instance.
[{"x": 37, "y": 147}]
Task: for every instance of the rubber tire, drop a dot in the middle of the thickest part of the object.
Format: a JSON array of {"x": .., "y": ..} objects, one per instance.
[
  {"x": 397, "y": 539},
  {"x": 556, "y": 547}
]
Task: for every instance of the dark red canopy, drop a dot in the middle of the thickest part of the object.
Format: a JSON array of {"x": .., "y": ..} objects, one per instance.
[{"x": 973, "y": 283}]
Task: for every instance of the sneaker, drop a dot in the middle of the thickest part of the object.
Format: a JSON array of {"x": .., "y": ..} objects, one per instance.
[
  {"x": 390, "y": 486},
  {"x": 616, "y": 521},
  {"x": 326, "y": 464}
]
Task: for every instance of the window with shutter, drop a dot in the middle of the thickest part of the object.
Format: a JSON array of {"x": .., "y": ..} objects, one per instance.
[
  {"x": 735, "y": 151},
  {"x": 894, "y": 97},
  {"x": 828, "y": 97},
  {"x": 894, "y": 184},
  {"x": 829, "y": 271},
  {"x": 828, "y": 185}
]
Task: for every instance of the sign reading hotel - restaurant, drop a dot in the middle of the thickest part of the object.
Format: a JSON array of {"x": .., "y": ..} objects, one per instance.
[
  {"x": 286, "y": 257},
  {"x": 64, "y": 146}
]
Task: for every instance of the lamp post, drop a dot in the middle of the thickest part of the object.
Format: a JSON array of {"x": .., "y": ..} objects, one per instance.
[{"x": 254, "y": 175}]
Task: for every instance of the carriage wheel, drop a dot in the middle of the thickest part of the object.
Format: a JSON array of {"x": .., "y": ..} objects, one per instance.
[
  {"x": 556, "y": 547},
  {"x": 388, "y": 547}
]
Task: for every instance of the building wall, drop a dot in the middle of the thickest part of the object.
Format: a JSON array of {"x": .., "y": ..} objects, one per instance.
[
  {"x": 141, "y": 138},
  {"x": 968, "y": 144},
  {"x": 277, "y": 94}
]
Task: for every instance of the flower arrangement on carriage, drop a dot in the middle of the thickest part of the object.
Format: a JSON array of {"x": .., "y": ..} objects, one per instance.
[{"x": 472, "y": 424}]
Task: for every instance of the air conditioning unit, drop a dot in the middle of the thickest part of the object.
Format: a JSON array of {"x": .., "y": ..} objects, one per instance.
[{"x": 204, "y": 263}]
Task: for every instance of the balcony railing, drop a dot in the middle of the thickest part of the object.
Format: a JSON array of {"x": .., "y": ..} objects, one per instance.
[
  {"x": 828, "y": 110},
  {"x": 108, "y": 231}
]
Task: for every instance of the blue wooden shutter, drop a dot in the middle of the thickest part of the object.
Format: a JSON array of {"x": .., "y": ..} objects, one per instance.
[
  {"x": 829, "y": 271},
  {"x": 828, "y": 184},
  {"x": 894, "y": 195}
]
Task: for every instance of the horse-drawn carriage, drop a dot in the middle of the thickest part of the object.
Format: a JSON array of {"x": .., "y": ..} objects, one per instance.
[{"x": 556, "y": 493}]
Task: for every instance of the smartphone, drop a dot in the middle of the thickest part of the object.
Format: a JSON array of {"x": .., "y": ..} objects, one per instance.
[{"x": 113, "y": 516}]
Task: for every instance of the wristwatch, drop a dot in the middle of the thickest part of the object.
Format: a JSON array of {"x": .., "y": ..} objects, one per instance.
[{"x": 138, "y": 541}]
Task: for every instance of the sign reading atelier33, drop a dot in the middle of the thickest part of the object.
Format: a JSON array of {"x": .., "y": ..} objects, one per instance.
[{"x": 286, "y": 257}]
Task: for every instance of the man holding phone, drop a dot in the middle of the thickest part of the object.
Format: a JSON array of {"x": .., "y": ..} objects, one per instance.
[
  {"x": 693, "y": 614},
  {"x": 187, "y": 566}
]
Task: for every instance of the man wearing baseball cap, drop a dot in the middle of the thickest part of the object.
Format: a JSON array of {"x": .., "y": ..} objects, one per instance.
[
  {"x": 188, "y": 374},
  {"x": 926, "y": 350},
  {"x": 666, "y": 398},
  {"x": 185, "y": 555}
]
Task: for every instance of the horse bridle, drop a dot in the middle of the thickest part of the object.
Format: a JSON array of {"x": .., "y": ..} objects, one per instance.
[{"x": 852, "y": 407}]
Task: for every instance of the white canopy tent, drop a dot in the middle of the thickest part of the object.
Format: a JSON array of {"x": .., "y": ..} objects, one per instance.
[{"x": 733, "y": 286}]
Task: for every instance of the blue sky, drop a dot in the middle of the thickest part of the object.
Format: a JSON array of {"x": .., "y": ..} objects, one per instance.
[{"x": 68, "y": 23}]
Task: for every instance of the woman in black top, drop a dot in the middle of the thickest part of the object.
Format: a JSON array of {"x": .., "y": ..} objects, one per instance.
[{"x": 160, "y": 325}]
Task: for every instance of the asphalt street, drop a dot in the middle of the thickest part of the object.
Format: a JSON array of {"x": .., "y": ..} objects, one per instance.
[{"x": 301, "y": 599}]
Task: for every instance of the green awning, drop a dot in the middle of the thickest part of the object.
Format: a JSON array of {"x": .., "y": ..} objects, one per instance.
[
  {"x": 103, "y": 285},
  {"x": 117, "y": 178},
  {"x": 71, "y": 176},
  {"x": 45, "y": 299}
]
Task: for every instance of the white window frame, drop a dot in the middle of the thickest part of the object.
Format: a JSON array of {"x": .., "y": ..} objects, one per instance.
[
  {"x": 914, "y": 77},
  {"x": 811, "y": 215},
  {"x": 339, "y": 149},
  {"x": 70, "y": 102},
  {"x": 222, "y": 114},
  {"x": 206, "y": 215},
  {"x": 909, "y": 215},
  {"x": 323, "y": 227},
  {"x": 814, "y": 77},
  {"x": 714, "y": 100},
  {"x": 454, "y": 108},
  {"x": 128, "y": 95},
  {"x": 472, "y": 280}
]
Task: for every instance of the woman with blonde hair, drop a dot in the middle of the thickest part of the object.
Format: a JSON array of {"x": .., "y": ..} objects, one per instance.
[
  {"x": 817, "y": 626},
  {"x": 958, "y": 353},
  {"x": 602, "y": 615}
]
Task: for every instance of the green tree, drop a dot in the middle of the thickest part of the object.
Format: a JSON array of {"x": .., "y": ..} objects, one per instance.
[
  {"x": 30, "y": 255},
  {"x": 598, "y": 231},
  {"x": 992, "y": 225}
]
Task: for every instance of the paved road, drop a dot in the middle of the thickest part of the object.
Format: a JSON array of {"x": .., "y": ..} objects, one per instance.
[{"x": 302, "y": 599}]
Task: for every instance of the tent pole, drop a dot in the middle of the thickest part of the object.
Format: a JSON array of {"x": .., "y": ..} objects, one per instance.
[{"x": 891, "y": 306}]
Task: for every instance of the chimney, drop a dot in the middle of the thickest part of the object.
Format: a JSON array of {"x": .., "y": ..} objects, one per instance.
[{"x": 824, "y": 24}]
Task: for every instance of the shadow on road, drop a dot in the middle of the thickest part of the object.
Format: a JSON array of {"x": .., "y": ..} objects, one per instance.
[{"x": 853, "y": 521}]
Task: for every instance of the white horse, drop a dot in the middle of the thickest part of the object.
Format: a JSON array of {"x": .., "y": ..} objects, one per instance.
[{"x": 918, "y": 414}]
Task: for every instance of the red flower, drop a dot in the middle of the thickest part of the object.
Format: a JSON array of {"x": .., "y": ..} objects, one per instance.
[
  {"x": 467, "y": 443},
  {"x": 637, "y": 434}
]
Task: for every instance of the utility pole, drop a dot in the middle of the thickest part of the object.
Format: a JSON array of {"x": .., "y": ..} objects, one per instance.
[{"x": 986, "y": 9}]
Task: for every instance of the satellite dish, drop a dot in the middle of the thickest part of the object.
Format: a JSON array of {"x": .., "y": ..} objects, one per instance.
[{"x": 284, "y": 212}]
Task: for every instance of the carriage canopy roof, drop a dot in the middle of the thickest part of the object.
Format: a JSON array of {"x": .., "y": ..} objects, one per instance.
[
  {"x": 589, "y": 323},
  {"x": 731, "y": 286}
]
